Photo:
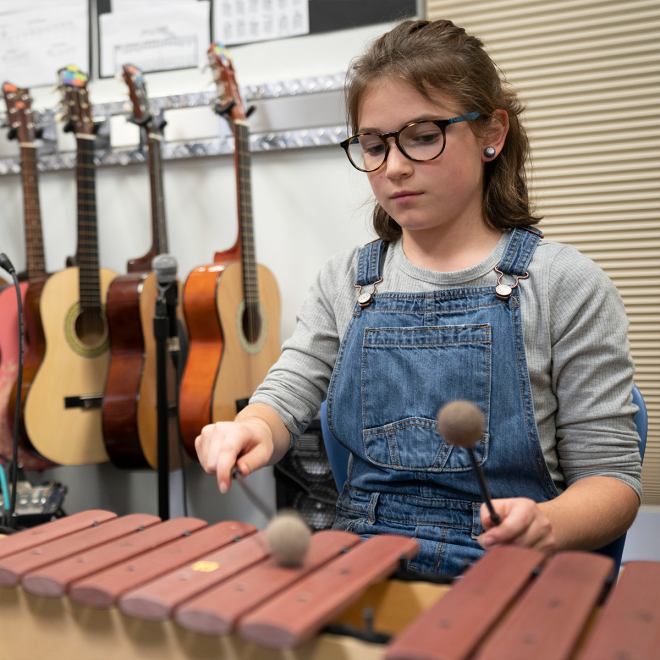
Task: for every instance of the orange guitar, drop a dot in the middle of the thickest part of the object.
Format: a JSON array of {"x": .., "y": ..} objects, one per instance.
[{"x": 230, "y": 358}]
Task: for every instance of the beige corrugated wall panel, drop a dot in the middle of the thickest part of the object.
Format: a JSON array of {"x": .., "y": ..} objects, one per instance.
[{"x": 589, "y": 72}]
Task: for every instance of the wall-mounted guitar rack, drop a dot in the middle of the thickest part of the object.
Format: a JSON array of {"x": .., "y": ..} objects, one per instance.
[{"x": 50, "y": 158}]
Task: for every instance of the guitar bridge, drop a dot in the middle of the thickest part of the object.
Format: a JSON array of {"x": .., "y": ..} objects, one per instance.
[{"x": 86, "y": 402}]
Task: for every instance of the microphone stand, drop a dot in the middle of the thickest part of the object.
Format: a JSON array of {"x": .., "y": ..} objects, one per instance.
[
  {"x": 166, "y": 334},
  {"x": 160, "y": 335}
]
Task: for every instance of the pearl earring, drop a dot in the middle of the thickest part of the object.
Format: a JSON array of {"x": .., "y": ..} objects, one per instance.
[{"x": 489, "y": 152}]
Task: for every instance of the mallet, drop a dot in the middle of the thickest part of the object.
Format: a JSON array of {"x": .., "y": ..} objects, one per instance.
[
  {"x": 462, "y": 424},
  {"x": 287, "y": 534}
]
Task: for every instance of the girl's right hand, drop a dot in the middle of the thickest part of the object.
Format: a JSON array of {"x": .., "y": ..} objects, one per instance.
[{"x": 248, "y": 444}]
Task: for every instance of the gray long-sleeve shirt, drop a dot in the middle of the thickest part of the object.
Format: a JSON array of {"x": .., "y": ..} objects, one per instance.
[{"x": 575, "y": 333}]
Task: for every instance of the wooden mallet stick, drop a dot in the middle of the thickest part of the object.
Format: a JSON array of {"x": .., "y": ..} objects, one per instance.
[{"x": 462, "y": 424}]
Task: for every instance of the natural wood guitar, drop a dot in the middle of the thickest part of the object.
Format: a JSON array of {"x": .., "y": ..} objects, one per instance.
[
  {"x": 130, "y": 414},
  {"x": 22, "y": 127},
  {"x": 63, "y": 407},
  {"x": 245, "y": 296}
]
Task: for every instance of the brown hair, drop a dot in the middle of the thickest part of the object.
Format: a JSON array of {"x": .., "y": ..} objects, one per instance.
[{"x": 438, "y": 56}]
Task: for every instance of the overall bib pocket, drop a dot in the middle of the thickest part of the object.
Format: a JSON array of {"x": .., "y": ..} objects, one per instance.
[{"x": 408, "y": 374}]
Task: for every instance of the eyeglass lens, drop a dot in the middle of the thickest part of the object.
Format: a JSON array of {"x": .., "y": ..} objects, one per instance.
[{"x": 422, "y": 141}]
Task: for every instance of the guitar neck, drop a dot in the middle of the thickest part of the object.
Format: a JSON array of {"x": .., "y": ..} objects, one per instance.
[
  {"x": 88, "y": 250},
  {"x": 244, "y": 186},
  {"x": 36, "y": 264},
  {"x": 159, "y": 229}
]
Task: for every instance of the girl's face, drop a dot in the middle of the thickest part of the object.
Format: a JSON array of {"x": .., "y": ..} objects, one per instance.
[{"x": 440, "y": 194}]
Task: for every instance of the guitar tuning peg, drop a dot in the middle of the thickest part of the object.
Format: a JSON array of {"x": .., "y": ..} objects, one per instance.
[
  {"x": 128, "y": 108},
  {"x": 59, "y": 116},
  {"x": 119, "y": 77},
  {"x": 55, "y": 88}
]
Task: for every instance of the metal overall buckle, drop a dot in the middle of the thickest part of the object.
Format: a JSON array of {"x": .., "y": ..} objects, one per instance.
[
  {"x": 504, "y": 291},
  {"x": 365, "y": 299}
]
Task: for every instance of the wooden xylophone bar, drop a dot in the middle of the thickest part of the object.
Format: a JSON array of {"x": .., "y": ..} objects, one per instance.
[{"x": 224, "y": 597}]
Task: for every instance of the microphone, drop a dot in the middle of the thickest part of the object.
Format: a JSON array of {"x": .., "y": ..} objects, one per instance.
[
  {"x": 6, "y": 264},
  {"x": 165, "y": 267}
]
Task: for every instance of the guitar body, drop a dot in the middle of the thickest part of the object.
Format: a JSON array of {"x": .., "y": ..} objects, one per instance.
[
  {"x": 244, "y": 366},
  {"x": 204, "y": 352},
  {"x": 124, "y": 373},
  {"x": 34, "y": 349},
  {"x": 74, "y": 365},
  {"x": 9, "y": 358},
  {"x": 130, "y": 411}
]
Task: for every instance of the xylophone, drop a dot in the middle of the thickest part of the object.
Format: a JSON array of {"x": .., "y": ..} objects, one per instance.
[{"x": 94, "y": 586}]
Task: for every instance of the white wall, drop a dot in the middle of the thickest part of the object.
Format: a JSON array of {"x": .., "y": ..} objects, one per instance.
[{"x": 308, "y": 205}]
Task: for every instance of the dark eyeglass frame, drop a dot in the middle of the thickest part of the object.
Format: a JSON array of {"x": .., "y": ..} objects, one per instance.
[{"x": 440, "y": 123}]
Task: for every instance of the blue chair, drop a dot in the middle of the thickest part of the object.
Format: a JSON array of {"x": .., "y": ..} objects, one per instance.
[
  {"x": 615, "y": 549},
  {"x": 338, "y": 457}
]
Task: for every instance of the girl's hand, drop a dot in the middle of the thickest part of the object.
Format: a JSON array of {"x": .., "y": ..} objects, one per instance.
[
  {"x": 523, "y": 523},
  {"x": 247, "y": 444}
]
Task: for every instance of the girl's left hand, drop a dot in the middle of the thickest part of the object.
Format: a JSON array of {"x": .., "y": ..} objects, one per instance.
[{"x": 523, "y": 524}]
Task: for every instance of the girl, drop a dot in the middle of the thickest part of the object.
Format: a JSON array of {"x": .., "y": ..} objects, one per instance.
[{"x": 392, "y": 331}]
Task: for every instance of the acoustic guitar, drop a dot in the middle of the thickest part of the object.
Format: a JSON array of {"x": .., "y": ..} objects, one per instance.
[
  {"x": 22, "y": 128},
  {"x": 130, "y": 419},
  {"x": 245, "y": 295},
  {"x": 63, "y": 406}
]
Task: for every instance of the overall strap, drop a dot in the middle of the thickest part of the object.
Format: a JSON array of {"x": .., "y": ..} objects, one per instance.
[
  {"x": 370, "y": 262},
  {"x": 519, "y": 250}
]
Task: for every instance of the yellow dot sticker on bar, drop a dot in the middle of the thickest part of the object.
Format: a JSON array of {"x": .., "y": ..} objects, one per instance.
[{"x": 205, "y": 566}]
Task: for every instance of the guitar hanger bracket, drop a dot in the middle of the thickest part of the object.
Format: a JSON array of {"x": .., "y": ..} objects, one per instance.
[{"x": 225, "y": 110}]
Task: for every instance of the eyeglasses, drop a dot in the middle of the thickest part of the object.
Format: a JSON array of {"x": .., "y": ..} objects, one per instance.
[{"x": 419, "y": 141}]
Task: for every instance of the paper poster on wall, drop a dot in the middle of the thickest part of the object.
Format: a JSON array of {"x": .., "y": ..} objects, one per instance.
[
  {"x": 155, "y": 36},
  {"x": 37, "y": 38},
  {"x": 243, "y": 21}
]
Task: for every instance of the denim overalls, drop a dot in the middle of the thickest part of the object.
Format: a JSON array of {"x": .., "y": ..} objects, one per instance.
[{"x": 404, "y": 356}]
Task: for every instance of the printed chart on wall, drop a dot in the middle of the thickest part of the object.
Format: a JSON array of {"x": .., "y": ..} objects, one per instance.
[
  {"x": 243, "y": 21},
  {"x": 154, "y": 35},
  {"x": 39, "y": 37}
]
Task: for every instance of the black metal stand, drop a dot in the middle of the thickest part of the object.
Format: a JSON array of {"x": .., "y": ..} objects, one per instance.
[{"x": 161, "y": 328}]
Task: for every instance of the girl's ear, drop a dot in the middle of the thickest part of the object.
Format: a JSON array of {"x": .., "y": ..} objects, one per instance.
[{"x": 495, "y": 135}]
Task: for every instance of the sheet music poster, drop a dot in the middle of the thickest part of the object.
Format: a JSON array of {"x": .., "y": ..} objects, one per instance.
[
  {"x": 243, "y": 21},
  {"x": 39, "y": 37},
  {"x": 154, "y": 35}
]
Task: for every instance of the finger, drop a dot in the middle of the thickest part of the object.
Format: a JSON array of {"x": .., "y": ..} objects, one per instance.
[
  {"x": 255, "y": 458},
  {"x": 516, "y": 519},
  {"x": 202, "y": 444},
  {"x": 502, "y": 508},
  {"x": 232, "y": 446}
]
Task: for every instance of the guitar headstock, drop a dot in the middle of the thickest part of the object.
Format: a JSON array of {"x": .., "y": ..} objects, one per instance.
[
  {"x": 228, "y": 101},
  {"x": 76, "y": 108},
  {"x": 19, "y": 113},
  {"x": 137, "y": 91}
]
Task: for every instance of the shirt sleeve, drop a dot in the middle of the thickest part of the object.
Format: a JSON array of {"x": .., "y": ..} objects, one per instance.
[
  {"x": 298, "y": 383},
  {"x": 592, "y": 373}
]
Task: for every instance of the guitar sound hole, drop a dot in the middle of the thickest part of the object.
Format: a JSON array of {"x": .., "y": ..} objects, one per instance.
[
  {"x": 251, "y": 322},
  {"x": 91, "y": 328}
]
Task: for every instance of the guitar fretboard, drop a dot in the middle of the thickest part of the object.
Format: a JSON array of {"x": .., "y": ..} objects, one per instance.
[
  {"x": 88, "y": 245},
  {"x": 250, "y": 281},
  {"x": 160, "y": 243},
  {"x": 36, "y": 264}
]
